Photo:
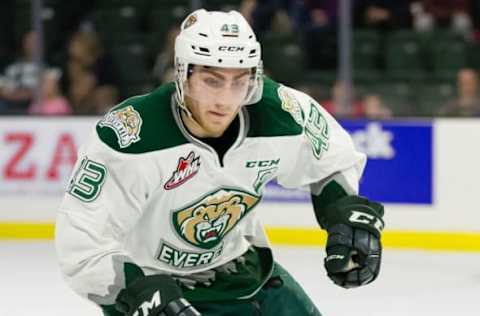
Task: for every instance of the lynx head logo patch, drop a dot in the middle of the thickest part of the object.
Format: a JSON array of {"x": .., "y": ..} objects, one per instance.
[
  {"x": 126, "y": 123},
  {"x": 205, "y": 222}
]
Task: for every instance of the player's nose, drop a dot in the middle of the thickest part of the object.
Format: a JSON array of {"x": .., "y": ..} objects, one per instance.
[{"x": 226, "y": 98}]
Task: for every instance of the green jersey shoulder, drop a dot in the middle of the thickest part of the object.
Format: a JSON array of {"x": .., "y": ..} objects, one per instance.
[
  {"x": 146, "y": 123},
  {"x": 285, "y": 111},
  {"x": 142, "y": 123},
  {"x": 270, "y": 116}
]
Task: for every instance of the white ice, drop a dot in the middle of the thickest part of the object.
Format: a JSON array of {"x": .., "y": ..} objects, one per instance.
[{"x": 411, "y": 283}]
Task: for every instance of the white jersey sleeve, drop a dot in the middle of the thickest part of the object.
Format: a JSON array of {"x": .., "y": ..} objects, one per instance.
[
  {"x": 102, "y": 204},
  {"x": 326, "y": 151}
]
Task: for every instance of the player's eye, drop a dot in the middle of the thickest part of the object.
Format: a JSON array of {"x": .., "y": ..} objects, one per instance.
[
  {"x": 214, "y": 83},
  {"x": 239, "y": 84}
]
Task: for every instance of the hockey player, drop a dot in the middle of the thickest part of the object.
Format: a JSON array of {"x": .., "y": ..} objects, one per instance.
[{"x": 159, "y": 216}]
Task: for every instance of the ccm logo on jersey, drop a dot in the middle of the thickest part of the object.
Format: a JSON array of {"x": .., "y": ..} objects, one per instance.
[
  {"x": 231, "y": 48},
  {"x": 149, "y": 305},
  {"x": 364, "y": 218},
  {"x": 187, "y": 168}
]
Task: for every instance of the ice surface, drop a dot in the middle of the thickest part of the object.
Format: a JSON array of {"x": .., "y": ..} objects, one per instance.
[{"x": 411, "y": 283}]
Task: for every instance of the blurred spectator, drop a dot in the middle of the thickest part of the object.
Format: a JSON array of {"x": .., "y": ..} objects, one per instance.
[
  {"x": 382, "y": 14},
  {"x": 452, "y": 14},
  {"x": 374, "y": 108},
  {"x": 315, "y": 13},
  {"x": 316, "y": 20},
  {"x": 68, "y": 15},
  {"x": 246, "y": 9},
  {"x": 336, "y": 104},
  {"x": 270, "y": 16},
  {"x": 20, "y": 79},
  {"x": 163, "y": 68},
  {"x": 468, "y": 100},
  {"x": 52, "y": 102},
  {"x": 89, "y": 80}
]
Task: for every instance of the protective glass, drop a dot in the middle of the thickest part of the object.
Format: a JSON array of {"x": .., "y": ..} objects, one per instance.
[{"x": 219, "y": 85}]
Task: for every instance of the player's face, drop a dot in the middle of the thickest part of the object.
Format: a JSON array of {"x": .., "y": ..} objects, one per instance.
[{"x": 215, "y": 95}]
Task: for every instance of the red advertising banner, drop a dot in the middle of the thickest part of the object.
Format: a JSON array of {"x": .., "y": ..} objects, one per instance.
[{"x": 37, "y": 154}]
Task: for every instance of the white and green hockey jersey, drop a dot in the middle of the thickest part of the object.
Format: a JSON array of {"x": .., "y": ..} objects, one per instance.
[{"x": 145, "y": 191}]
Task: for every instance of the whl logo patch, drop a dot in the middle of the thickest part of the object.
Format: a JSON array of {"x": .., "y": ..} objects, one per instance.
[
  {"x": 187, "y": 168},
  {"x": 205, "y": 222}
]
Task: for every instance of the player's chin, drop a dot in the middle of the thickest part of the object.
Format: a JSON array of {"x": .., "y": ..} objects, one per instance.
[
  {"x": 217, "y": 128},
  {"x": 219, "y": 121}
]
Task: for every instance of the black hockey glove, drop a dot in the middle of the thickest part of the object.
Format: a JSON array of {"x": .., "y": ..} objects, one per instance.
[
  {"x": 155, "y": 295},
  {"x": 354, "y": 250}
]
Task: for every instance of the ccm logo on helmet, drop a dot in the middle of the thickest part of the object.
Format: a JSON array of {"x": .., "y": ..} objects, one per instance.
[{"x": 231, "y": 48}]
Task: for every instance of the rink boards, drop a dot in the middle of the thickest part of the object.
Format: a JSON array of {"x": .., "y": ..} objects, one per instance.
[{"x": 426, "y": 172}]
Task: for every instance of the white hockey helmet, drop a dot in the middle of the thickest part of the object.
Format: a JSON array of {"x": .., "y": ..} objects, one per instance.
[{"x": 217, "y": 39}]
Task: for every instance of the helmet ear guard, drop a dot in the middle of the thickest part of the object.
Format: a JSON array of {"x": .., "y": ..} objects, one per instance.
[{"x": 217, "y": 39}]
